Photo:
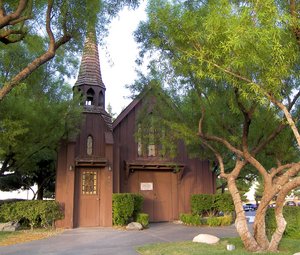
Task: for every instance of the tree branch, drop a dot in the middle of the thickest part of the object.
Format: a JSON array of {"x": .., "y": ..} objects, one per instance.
[
  {"x": 7, "y": 19},
  {"x": 36, "y": 63},
  {"x": 275, "y": 171}
]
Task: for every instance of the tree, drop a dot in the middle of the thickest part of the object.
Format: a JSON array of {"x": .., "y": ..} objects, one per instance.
[
  {"x": 33, "y": 119},
  {"x": 239, "y": 62},
  {"x": 55, "y": 23}
]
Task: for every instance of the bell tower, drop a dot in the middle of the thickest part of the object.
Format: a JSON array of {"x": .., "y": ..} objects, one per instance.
[
  {"x": 84, "y": 170},
  {"x": 89, "y": 81}
]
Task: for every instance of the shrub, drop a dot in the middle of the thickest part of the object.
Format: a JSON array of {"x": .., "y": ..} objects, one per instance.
[
  {"x": 201, "y": 203},
  {"x": 123, "y": 206},
  {"x": 213, "y": 221},
  {"x": 189, "y": 219},
  {"x": 219, "y": 221},
  {"x": 36, "y": 212},
  {"x": 226, "y": 220},
  {"x": 143, "y": 218},
  {"x": 223, "y": 203},
  {"x": 138, "y": 204},
  {"x": 126, "y": 206},
  {"x": 292, "y": 217},
  {"x": 209, "y": 204}
]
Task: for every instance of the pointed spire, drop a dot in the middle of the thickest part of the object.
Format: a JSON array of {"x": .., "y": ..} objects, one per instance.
[{"x": 90, "y": 73}]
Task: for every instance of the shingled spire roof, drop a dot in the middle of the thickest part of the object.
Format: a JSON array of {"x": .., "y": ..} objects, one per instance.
[{"x": 89, "y": 72}]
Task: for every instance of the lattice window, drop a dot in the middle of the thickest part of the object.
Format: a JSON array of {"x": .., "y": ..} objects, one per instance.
[{"x": 89, "y": 183}]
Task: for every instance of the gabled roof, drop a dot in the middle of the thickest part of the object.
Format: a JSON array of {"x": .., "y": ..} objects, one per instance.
[
  {"x": 89, "y": 72},
  {"x": 125, "y": 112},
  {"x": 131, "y": 106},
  {"x": 135, "y": 102}
]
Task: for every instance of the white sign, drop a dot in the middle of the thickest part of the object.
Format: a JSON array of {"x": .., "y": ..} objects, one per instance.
[{"x": 146, "y": 185}]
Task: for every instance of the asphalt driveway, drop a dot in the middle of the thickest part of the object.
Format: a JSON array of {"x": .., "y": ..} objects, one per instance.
[{"x": 89, "y": 241}]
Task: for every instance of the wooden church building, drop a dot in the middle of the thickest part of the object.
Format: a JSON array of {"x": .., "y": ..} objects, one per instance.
[{"x": 107, "y": 158}]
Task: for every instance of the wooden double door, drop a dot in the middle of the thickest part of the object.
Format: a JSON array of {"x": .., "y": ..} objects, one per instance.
[{"x": 160, "y": 194}]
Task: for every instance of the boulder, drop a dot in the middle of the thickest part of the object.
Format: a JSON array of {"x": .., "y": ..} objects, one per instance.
[
  {"x": 134, "y": 226},
  {"x": 177, "y": 222},
  {"x": 205, "y": 238},
  {"x": 9, "y": 226}
]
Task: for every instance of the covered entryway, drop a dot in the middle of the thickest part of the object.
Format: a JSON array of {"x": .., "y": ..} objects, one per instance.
[
  {"x": 158, "y": 183},
  {"x": 88, "y": 197}
]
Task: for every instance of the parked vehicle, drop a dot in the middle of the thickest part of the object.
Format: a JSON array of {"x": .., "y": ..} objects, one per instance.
[
  {"x": 273, "y": 205},
  {"x": 249, "y": 207},
  {"x": 290, "y": 203}
]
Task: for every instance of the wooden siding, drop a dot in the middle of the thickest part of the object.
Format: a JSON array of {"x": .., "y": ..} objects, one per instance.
[
  {"x": 197, "y": 177},
  {"x": 67, "y": 178}
]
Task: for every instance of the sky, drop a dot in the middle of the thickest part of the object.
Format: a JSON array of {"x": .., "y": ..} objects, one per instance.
[{"x": 117, "y": 61}]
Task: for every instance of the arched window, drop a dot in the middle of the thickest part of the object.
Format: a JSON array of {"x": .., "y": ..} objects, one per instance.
[
  {"x": 151, "y": 145},
  {"x": 89, "y": 145},
  {"x": 139, "y": 141},
  {"x": 90, "y": 97},
  {"x": 101, "y": 99}
]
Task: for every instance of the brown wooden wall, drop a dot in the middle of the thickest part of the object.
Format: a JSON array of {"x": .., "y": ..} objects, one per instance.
[
  {"x": 64, "y": 185},
  {"x": 67, "y": 188},
  {"x": 92, "y": 124},
  {"x": 197, "y": 177}
]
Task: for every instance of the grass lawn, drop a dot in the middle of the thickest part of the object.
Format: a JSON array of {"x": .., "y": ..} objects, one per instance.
[
  {"x": 288, "y": 246},
  {"x": 21, "y": 236}
]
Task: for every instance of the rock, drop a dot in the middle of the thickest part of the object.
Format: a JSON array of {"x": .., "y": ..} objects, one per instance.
[
  {"x": 205, "y": 238},
  {"x": 177, "y": 222},
  {"x": 134, "y": 226},
  {"x": 298, "y": 253},
  {"x": 230, "y": 247},
  {"x": 9, "y": 226}
]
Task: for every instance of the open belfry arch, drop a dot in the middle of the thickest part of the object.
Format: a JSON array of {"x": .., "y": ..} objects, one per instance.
[
  {"x": 108, "y": 157},
  {"x": 84, "y": 170}
]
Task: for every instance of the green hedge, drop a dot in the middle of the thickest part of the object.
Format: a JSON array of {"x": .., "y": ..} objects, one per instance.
[
  {"x": 223, "y": 203},
  {"x": 196, "y": 220},
  {"x": 36, "y": 212},
  {"x": 126, "y": 206},
  {"x": 292, "y": 217},
  {"x": 143, "y": 218},
  {"x": 205, "y": 204}
]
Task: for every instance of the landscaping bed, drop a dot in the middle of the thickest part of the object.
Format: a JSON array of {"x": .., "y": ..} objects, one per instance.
[{"x": 22, "y": 236}]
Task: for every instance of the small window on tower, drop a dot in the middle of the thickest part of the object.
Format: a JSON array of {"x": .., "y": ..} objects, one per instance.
[
  {"x": 90, "y": 97},
  {"x": 101, "y": 99},
  {"x": 89, "y": 146}
]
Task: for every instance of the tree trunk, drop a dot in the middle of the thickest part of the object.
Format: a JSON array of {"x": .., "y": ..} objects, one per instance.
[
  {"x": 259, "y": 227},
  {"x": 281, "y": 224},
  {"x": 241, "y": 222},
  {"x": 40, "y": 193}
]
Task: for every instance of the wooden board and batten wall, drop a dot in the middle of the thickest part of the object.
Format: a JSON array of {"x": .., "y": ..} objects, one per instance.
[{"x": 166, "y": 192}]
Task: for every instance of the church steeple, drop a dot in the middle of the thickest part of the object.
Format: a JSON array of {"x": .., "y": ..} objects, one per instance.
[{"x": 89, "y": 81}]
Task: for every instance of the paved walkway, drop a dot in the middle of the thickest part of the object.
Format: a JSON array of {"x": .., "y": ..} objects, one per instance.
[{"x": 90, "y": 241}]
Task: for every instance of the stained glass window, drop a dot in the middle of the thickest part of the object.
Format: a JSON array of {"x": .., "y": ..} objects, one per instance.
[
  {"x": 89, "y": 145},
  {"x": 89, "y": 182}
]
